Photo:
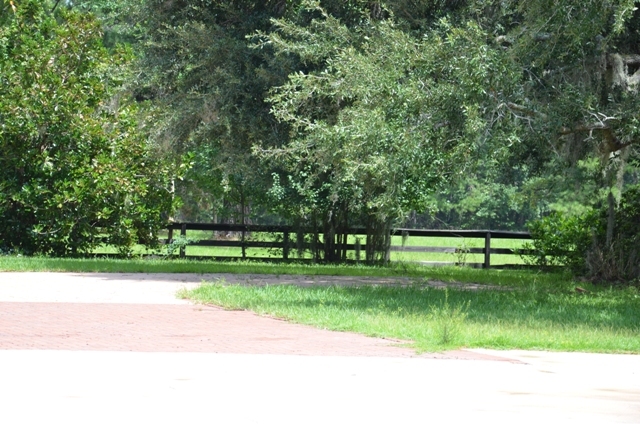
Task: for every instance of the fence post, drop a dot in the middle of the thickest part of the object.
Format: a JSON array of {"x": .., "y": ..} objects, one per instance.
[
  {"x": 487, "y": 250},
  {"x": 244, "y": 246},
  {"x": 183, "y": 233},
  {"x": 285, "y": 244}
]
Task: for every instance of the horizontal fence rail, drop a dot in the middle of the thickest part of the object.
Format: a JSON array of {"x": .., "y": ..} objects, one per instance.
[{"x": 286, "y": 243}]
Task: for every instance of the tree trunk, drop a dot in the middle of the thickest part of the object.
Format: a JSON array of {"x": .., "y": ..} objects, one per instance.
[
  {"x": 611, "y": 218},
  {"x": 243, "y": 220},
  {"x": 378, "y": 244},
  {"x": 329, "y": 238}
]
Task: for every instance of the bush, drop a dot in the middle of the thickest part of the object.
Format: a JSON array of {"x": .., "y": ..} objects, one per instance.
[
  {"x": 561, "y": 239},
  {"x": 579, "y": 242},
  {"x": 619, "y": 261},
  {"x": 75, "y": 170}
]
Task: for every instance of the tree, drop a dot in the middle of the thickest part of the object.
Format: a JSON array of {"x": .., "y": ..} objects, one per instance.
[
  {"x": 358, "y": 112},
  {"x": 381, "y": 119},
  {"x": 579, "y": 95},
  {"x": 209, "y": 88},
  {"x": 75, "y": 170},
  {"x": 118, "y": 19}
]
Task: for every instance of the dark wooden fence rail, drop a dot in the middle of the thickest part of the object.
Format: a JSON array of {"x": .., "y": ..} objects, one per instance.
[{"x": 287, "y": 244}]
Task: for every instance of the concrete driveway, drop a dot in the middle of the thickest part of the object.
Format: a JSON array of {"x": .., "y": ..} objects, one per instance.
[{"x": 120, "y": 348}]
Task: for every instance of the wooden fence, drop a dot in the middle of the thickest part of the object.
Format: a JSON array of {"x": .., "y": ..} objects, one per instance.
[{"x": 287, "y": 239}]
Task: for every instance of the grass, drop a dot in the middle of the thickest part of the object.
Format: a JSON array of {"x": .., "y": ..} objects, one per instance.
[
  {"x": 511, "y": 278},
  {"x": 529, "y": 317}
]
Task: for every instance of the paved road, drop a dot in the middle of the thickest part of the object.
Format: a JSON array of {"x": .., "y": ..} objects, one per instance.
[{"x": 122, "y": 348}]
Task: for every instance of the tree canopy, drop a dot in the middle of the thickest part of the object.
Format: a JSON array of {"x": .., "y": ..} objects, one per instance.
[
  {"x": 383, "y": 119},
  {"x": 329, "y": 114}
]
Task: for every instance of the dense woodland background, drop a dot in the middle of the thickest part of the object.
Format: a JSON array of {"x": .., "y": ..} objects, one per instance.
[{"x": 117, "y": 116}]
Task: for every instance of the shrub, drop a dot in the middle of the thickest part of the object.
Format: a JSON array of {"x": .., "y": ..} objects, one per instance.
[
  {"x": 75, "y": 169},
  {"x": 561, "y": 239},
  {"x": 579, "y": 242},
  {"x": 620, "y": 260}
]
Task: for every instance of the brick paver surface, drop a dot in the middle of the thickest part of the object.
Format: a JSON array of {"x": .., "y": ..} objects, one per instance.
[
  {"x": 178, "y": 328},
  {"x": 66, "y": 313},
  {"x": 170, "y": 328}
]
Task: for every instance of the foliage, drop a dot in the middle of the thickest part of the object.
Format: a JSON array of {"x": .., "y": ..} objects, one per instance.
[
  {"x": 618, "y": 260},
  {"x": 75, "y": 170},
  {"x": 208, "y": 87},
  {"x": 177, "y": 244},
  {"x": 580, "y": 241},
  {"x": 628, "y": 219},
  {"x": 381, "y": 119},
  {"x": 332, "y": 114},
  {"x": 579, "y": 90},
  {"x": 484, "y": 198},
  {"x": 561, "y": 239},
  {"x": 117, "y": 18}
]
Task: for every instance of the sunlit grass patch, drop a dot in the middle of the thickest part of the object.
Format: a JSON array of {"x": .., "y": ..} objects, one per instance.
[{"x": 525, "y": 318}]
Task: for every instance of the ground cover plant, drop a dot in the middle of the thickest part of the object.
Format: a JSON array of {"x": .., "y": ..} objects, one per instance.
[{"x": 531, "y": 316}]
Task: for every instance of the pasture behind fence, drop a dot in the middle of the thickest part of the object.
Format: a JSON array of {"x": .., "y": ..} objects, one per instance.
[{"x": 286, "y": 242}]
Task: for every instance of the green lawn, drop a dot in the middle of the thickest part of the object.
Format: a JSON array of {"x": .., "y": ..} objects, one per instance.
[
  {"x": 460, "y": 243},
  {"x": 528, "y": 317}
]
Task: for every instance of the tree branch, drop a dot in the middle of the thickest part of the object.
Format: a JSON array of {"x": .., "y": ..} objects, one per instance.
[
  {"x": 525, "y": 110},
  {"x": 612, "y": 143}
]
